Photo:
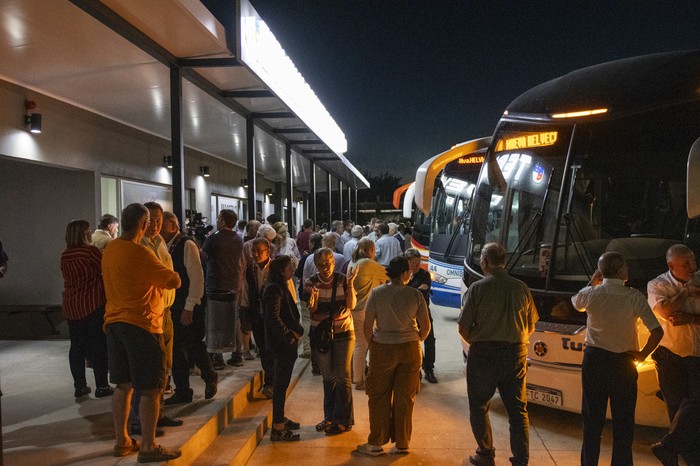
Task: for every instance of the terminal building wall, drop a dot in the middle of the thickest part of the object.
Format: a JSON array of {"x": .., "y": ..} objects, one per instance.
[{"x": 48, "y": 179}]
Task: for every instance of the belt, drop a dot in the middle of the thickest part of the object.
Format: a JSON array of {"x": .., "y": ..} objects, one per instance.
[
  {"x": 341, "y": 335},
  {"x": 495, "y": 344}
]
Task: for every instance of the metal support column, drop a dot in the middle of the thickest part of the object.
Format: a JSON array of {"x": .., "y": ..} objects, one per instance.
[
  {"x": 250, "y": 165},
  {"x": 341, "y": 215},
  {"x": 330, "y": 198},
  {"x": 312, "y": 196},
  {"x": 290, "y": 189},
  {"x": 356, "y": 205},
  {"x": 176, "y": 144},
  {"x": 350, "y": 215}
]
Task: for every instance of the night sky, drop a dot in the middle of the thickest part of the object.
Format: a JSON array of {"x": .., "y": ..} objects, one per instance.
[{"x": 406, "y": 80}]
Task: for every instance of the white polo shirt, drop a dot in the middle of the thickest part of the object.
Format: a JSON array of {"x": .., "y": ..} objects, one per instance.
[{"x": 683, "y": 340}]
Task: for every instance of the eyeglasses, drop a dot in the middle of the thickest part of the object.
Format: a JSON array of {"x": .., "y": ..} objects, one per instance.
[{"x": 259, "y": 252}]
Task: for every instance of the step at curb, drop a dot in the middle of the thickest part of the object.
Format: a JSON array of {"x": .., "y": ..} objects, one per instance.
[{"x": 237, "y": 442}]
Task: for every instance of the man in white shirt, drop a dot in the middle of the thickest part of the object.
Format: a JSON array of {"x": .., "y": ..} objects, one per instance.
[
  {"x": 612, "y": 349},
  {"x": 356, "y": 234},
  {"x": 387, "y": 247},
  {"x": 675, "y": 298},
  {"x": 106, "y": 231}
]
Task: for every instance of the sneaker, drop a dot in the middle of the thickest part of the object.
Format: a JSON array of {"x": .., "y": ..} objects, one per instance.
[
  {"x": 159, "y": 454},
  {"x": 180, "y": 397},
  {"x": 360, "y": 385},
  {"x": 82, "y": 391},
  {"x": 481, "y": 460},
  {"x": 166, "y": 421},
  {"x": 217, "y": 360},
  {"x": 291, "y": 425},
  {"x": 399, "y": 451},
  {"x": 267, "y": 391},
  {"x": 210, "y": 389},
  {"x": 664, "y": 454},
  {"x": 235, "y": 360},
  {"x": 248, "y": 357},
  {"x": 102, "y": 392},
  {"x": 285, "y": 435},
  {"x": 125, "y": 450},
  {"x": 371, "y": 450}
]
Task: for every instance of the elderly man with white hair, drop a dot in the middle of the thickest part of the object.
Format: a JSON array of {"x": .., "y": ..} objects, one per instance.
[{"x": 355, "y": 235}]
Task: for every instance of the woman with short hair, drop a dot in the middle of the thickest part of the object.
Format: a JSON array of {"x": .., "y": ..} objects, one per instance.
[
  {"x": 369, "y": 276},
  {"x": 84, "y": 308},
  {"x": 396, "y": 321},
  {"x": 332, "y": 298}
]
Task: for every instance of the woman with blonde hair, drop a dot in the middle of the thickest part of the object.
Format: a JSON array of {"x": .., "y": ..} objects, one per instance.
[
  {"x": 84, "y": 308},
  {"x": 369, "y": 276},
  {"x": 285, "y": 245}
]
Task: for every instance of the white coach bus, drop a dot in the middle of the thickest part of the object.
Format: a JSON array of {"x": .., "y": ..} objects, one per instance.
[{"x": 597, "y": 160}]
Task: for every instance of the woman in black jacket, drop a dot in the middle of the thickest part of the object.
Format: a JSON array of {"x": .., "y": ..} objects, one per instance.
[{"x": 283, "y": 332}]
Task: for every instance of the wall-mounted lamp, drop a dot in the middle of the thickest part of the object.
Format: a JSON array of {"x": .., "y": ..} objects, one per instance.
[
  {"x": 204, "y": 170},
  {"x": 268, "y": 192},
  {"x": 168, "y": 161},
  {"x": 244, "y": 182},
  {"x": 33, "y": 121}
]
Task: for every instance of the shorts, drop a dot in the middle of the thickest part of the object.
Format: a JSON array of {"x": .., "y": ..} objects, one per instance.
[{"x": 135, "y": 356}]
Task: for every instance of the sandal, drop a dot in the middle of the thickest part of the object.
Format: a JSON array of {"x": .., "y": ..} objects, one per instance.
[
  {"x": 125, "y": 450},
  {"x": 323, "y": 425},
  {"x": 285, "y": 435},
  {"x": 335, "y": 429}
]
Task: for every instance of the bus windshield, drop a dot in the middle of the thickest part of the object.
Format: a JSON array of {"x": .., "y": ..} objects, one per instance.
[
  {"x": 452, "y": 205},
  {"x": 557, "y": 204}
]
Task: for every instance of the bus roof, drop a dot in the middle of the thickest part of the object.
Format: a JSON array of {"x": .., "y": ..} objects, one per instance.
[
  {"x": 429, "y": 170},
  {"x": 622, "y": 86}
]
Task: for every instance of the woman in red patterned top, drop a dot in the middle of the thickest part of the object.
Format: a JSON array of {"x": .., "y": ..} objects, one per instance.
[{"x": 84, "y": 308}]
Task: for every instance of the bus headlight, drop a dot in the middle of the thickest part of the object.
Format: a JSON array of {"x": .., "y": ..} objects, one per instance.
[{"x": 437, "y": 278}]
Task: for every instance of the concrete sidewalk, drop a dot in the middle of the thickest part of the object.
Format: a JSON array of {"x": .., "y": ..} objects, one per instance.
[
  {"x": 43, "y": 424},
  {"x": 441, "y": 431}
]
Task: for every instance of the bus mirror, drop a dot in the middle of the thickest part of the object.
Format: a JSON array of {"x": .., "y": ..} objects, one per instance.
[{"x": 693, "y": 181}]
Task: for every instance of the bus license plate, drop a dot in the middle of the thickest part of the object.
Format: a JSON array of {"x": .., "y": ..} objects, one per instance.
[{"x": 544, "y": 395}]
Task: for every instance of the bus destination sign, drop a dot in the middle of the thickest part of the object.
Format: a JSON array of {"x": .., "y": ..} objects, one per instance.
[{"x": 527, "y": 141}]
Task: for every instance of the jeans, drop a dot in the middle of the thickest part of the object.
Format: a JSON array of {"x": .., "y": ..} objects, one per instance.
[
  {"x": 267, "y": 359},
  {"x": 501, "y": 366},
  {"x": 429, "y": 344},
  {"x": 392, "y": 385},
  {"x": 608, "y": 376},
  {"x": 188, "y": 345},
  {"x": 87, "y": 340},
  {"x": 337, "y": 387},
  {"x": 283, "y": 358},
  {"x": 679, "y": 378}
]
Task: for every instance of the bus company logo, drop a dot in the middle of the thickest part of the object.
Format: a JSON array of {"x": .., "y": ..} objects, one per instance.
[
  {"x": 540, "y": 348},
  {"x": 537, "y": 173}
]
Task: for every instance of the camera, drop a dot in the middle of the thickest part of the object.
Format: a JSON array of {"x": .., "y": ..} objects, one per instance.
[{"x": 197, "y": 227}]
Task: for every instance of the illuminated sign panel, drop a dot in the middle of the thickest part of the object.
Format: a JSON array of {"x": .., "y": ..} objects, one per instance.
[
  {"x": 527, "y": 141},
  {"x": 471, "y": 160},
  {"x": 264, "y": 55}
]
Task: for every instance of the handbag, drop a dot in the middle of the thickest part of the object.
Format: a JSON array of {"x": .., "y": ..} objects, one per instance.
[{"x": 321, "y": 336}]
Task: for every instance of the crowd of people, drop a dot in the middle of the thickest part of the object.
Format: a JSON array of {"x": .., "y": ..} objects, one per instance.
[
  {"x": 149, "y": 306},
  {"x": 355, "y": 300}
]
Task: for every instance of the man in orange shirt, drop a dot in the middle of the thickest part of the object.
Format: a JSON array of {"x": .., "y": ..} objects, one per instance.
[{"x": 134, "y": 281}]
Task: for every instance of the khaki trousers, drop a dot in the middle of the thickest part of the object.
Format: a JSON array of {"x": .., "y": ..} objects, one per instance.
[{"x": 392, "y": 385}]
